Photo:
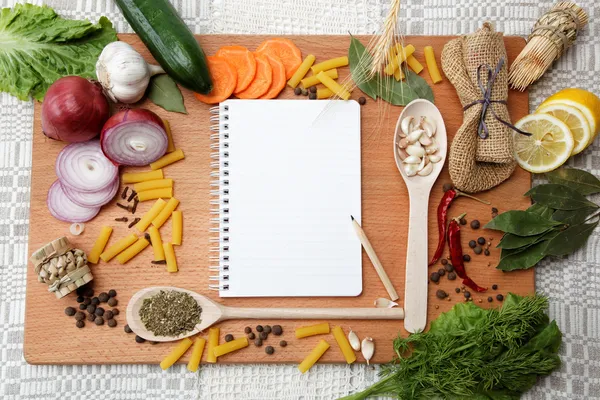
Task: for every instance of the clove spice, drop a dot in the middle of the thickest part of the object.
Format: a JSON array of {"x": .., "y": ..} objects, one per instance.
[
  {"x": 122, "y": 219},
  {"x": 132, "y": 195},
  {"x": 159, "y": 262},
  {"x": 124, "y": 193},
  {"x": 135, "y": 204},
  {"x": 124, "y": 207},
  {"x": 132, "y": 223}
]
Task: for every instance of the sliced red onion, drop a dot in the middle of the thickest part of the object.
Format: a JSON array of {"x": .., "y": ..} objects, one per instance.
[
  {"x": 93, "y": 199},
  {"x": 64, "y": 209},
  {"x": 134, "y": 137},
  {"x": 83, "y": 167}
]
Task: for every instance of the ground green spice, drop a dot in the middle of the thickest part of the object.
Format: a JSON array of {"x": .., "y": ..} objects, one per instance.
[{"x": 170, "y": 313}]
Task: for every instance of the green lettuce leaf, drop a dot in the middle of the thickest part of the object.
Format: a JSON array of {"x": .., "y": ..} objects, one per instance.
[{"x": 37, "y": 47}]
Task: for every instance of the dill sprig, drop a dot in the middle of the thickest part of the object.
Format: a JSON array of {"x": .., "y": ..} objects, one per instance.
[{"x": 470, "y": 352}]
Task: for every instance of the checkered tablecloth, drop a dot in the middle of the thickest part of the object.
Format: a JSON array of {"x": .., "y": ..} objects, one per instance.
[{"x": 573, "y": 283}]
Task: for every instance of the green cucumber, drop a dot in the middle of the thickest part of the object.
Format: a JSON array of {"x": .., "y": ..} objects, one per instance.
[{"x": 170, "y": 41}]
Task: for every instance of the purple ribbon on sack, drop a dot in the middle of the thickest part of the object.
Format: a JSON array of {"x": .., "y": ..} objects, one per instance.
[{"x": 487, "y": 101}]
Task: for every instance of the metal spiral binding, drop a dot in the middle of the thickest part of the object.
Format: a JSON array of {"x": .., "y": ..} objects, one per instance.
[{"x": 219, "y": 182}]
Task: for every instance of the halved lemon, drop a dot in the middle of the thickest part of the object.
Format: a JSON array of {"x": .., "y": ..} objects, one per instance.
[
  {"x": 574, "y": 119},
  {"x": 548, "y": 147},
  {"x": 585, "y": 101}
]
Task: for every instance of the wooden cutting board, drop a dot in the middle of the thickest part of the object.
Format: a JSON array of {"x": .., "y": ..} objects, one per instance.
[{"x": 52, "y": 338}]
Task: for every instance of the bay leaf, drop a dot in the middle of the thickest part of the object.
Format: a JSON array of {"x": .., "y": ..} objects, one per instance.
[
  {"x": 560, "y": 197},
  {"x": 511, "y": 241},
  {"x": 164, "y": 92},
  {"x": 360, "y": 61},
  {"x": 398, "y": 93},
  {"x": 419, "y": 86},
  {"x": 582, "y": 181},
  {"x": 523, "y": 259},
  {"x": 521, "y": 223},
  {"x": 570, "y": 239},
  {"x": 573, "y": 217},
  {"x": 544, "y": 211}
]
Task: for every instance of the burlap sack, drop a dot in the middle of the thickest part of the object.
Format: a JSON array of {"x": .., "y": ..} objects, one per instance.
[{"x": 478, "y": 164}]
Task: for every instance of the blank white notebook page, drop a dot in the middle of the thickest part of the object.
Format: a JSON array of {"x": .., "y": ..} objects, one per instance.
[{"x": 293, "y": 180}]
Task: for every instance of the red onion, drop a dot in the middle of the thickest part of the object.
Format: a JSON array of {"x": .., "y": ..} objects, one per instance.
[
  {"x": 134, "y": 137},
  {"x": 92, "y": 199},
  {"x": 74, "y": 110},
  {"x": 64, "y": 209},
  {"x": 84, "y": 168}
]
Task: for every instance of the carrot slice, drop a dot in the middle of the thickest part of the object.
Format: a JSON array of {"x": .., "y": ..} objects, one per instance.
[
  {"x": 262, "y": 79},
  {"x": 244, "y": 63},
  {"x": 278, "y": 77},
  {"x": 286, "y": 50},
  {"x": 224, "y": 80}
]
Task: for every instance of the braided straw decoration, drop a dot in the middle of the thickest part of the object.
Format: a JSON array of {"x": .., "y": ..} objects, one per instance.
[
  {"x": 61, "y": 267},
  {"x": 551, "y": 36}
]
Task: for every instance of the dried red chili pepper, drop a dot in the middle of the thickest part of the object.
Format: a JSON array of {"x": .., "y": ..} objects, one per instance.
[
  {"x": 442, "y": 217},
  {"x": 456, "y": 254}
]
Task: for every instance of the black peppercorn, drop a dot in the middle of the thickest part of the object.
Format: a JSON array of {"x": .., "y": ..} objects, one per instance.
[
  {"x": 127, "y": 329},
  {"x": 451, "y": 276},
  {"x": 268, "y": 328},
  {"x": 283, "y": 343},
  {"x": 467, "y": 294},
  {"x": 112, "y": 323},
  {"x": 444, "y": 261},
  {"x": 259, "y": 328},
  {"x": 495, "y": 287},
  {"x": 112, "y": 302},
  {"x": 70, "y": 311},
  {"x": 112, "y": 293},
  {"x": 103, "y": 297},
  {"x": 269, "y": 350},
  {"x": 463, "y": 221},
  {"x": 80, "y": 324},
  {"x": 466, "y": 257},
  {"x": 115, "y": 311},
  {"x": 449, "y": 267},
  {"x": 475, "y": 224},
  {"x": 472, "y": 244},
  {"x": 258, "y": 342},
  {"x": 91, "y": 317},
  {"x": 277, "y": 330},
  {"x": 494, "y": 210},
  {"x": 486, "y": 252},
  {"x": 82, "y": 306},
  {"x": 247, "y": 329},
  {"x": 263, "y": 335},
  {"x": 481, "y": 240},
  {"x": 79, "y": 299},
  {"x": 79, "y": 316},
  {"x": 99, "y": 321},
  {"x": 91, "y": 309},
  {"x": 87, "y": 301},
  {"x": 228, "y": 337},
  {"x": 499, "y": 297},
  {"x": 312, "y": 96},
  {"x": 108, "y": 315},
  {"x": 298, "y": 91},
  {"x": 251, "y": 336},
  {"x": 441, "y": 294},
  {"x": 435, "y": 277},
  {"x": 457, "y": 290},
  {"x": 477, "y": 250},
  {"x": 95, "y": 301},
  {"x": 99, "y": 311},
  {"x": 139, "y": 339},
  {"x": 312, "y": 89},
  {"x": 441, "y": 272},
  {"x": 362, "y": 101},
  {"x": 490, "y": 299}
]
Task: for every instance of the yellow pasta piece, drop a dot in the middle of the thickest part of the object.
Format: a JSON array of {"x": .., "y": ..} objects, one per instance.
[
  {"x": 100, "y": 244},
  {"x": 118, "y": 247},
  {"x": 333, "y": 86},
  {"x": 231, "y": 346},
  {"x": 176, "y": 353},
  {"x": 314, "y": 356},
  {"x": 312, "y": 80},
  {"x": 197, "y": 351},
  {"x": 301, "y": 71},
  {"x": 176, "y": 228},
  {"x": 132, "y": 250},
  {"x": 141, "y": 176},
  {"x": 155, "y": 194},
  {"x": 157, "y": 244},
  {"x": 329, "y": 64},
  {"x": 166, "y": 212},
  {"x": 213, "y": 341},
  {"x": 324, "y": 93},
  {"x": 399, "y": 74},
  {"x": 146, "y": 220},
  {"x": 305, "y": 331},
  {"x": 414, "y": 64},
  {"x": 170, "y": 256},
  {"x": 344, "y": 344},
  {"x": 170, "y": 144},
  {"x": 432, "y": 66},
  {"x": 399, "y": 59},
  {"x": 167, "y": 159},
  {"x": 155, "y": 184}
]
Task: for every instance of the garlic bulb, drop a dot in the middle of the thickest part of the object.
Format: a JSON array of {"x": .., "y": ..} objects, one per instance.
[
  {"x": 368, "y": 348},
  {"x": 354, "y": 340},
  {"x": 123, "y": 72}
]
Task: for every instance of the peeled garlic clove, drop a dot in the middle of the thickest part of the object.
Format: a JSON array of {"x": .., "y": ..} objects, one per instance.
[
  {"x": 354, "y": 340},
  {"x": 406, "y": 125},
  {"x": 421, "y": 164},
  {"x": 76, "y": 228},
  {"x": 426, "y": 158},
  {"x": 434, "y": 158},
  {"x": 426, "y": 170},
  {"x": 411, "y": 160},
  {"x": 382, "y": 302},
  {"x": 403, "y": 143},
  {"x": 368, "y": 348},
  {"x": 432, "y": 148},
  {"x": 414, "y": 136},
  {"x": 428, "y": 126},
  {"x": 411, "y": 169},
  {"x": 403, "y": 155},
  {"x": 425, "y": 140},
  {"x": 415, "y": 150}
]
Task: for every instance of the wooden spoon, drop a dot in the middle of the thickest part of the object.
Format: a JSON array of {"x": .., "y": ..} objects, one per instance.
[
  {"x": 419, "y": 188},
  {"x": 213, "y": 313}
]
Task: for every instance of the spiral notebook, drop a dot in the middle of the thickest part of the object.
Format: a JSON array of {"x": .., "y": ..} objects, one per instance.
[{"x": 286, "y": 178}]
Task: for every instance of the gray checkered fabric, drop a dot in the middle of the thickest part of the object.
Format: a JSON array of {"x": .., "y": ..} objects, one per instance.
[{"x": 573, "y": 283}]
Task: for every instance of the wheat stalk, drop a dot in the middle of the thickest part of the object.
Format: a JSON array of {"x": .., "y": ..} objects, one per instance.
[{"x": 552, "y": 34}]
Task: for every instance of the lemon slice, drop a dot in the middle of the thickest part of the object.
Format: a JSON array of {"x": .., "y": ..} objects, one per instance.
[
  {"x": 549, "y": 145},
  {"x": 586, "y": 102},
  {"x": 574, "y": 119}
]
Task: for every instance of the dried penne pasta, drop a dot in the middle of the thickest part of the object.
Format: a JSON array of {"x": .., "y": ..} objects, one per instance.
[
  {"x": 154, "y": 194},
  {"x": 166, "y": 212},
  {"x": 231, "y": 346},
  {"x": 118, "y": 247},
  {"x": 314, "y": 356},
  {"x": 312, "y": 80},
  {"x": 146, "y": 220},
  {"x": 157, "y": 244},
  {"x": 142, "y": 176},
  {"x": 399, "y": 74},
  {"x": 197, "y": 351},
  {"x": 301, "y": 71},
  {"x": 177, "y": 228},
  {"x": 400, "y": 57},
  {"x": 176, "y": 353},
  {"x": 344, "y": 344},
  {"x": 155, "y": 184},
  {"x": 132, "y": 250},
  {"x": 100, "y": 244},
  {"x": 170, "y": 143},
  {"x": 324, "y": 93},
  {"x": 329, "y": 64},
  {"x": 333, "y": 86},
  {"x": 170, "y": 256},
  {"x": 167, "y": 159},
  {"x": 213, "y": 341},
  {"x": 305, "y": 331},
  {"x": 432, "y": 66},
  {"x": 414, "y": 64}
]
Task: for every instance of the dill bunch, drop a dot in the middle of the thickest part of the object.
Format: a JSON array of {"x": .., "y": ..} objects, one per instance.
[{"x": 474, "y": 353}]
